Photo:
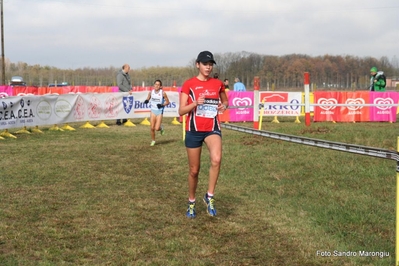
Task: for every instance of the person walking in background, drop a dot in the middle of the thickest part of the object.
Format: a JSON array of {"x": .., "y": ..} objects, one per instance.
[
  {"x": 226, "y": 84},
  {"x": 124, "y": 84},
  {"x": 202, "y": 98},
  {"x": 158, "y": 100},
  {"x": 238, "y": 85},
  {"x": 377, "y": 80}
]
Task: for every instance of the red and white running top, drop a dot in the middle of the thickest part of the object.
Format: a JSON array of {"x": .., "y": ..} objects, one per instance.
[{"x": 204, "y": 117}]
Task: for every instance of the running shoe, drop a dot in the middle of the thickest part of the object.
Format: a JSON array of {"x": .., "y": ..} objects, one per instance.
[
  {"x": 152, "y": 143},
  {"x": 210, "y": 205},
  {"x": 162, "y": 131},
  {"x": 191, "y": 210}
]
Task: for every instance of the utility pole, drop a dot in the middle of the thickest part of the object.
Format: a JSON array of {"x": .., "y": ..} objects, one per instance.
[{"x": 3, "y": 68}]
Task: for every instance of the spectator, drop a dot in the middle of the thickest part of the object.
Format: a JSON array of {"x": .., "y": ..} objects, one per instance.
[
  {"x": 377, "y": 80},
  {"x": 124, "y": 84},
  {"x": 226, "y": 84},
  {"x": 238, "y": 85}
]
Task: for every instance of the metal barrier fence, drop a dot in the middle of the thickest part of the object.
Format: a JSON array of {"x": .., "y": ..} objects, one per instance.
[{"x": 338, "y": 146}]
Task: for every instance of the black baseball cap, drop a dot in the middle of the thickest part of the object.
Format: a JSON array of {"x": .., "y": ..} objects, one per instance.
[{"x": 205, "y": 56}]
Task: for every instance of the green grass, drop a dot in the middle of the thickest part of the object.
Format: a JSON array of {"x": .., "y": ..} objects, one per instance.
[{"x": 105, "y": 197}]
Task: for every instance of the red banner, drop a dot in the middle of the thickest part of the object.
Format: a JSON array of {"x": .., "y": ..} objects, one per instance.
[
  {"x": 327, "y": 112},
  {"x": 328, "y": 106},
  {"x": 354, "y": 113}
]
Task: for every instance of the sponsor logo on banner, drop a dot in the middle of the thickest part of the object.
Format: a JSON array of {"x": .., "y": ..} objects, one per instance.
[
  {"x": 94, "y": 109},
  {"x": 280, "y": 103},
  {"x": 79, "y": 108},
  {"x": 355, "y": 101},
  {"x": 19, "y": 112},
  {"x": 62, "y": 108},
  {"x": 275, "y": 97},
  {"x": 110, "y": 106},
  {"x": 246, "y": 101},
  {"x": 43, "y": 110},
  {"x": 128, "y": 103},
  {"x": 3, "y": 94},
  {"x": 330, "y": 102},
  {"x": 4, "y": 105},
  {"x": 383, "y": 101}
]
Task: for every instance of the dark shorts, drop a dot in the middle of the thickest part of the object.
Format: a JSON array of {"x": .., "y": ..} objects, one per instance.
[{"x": 195, "y": 139}]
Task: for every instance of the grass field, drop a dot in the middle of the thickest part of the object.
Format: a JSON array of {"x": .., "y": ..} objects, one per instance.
[{"x": 103, "y": 196}]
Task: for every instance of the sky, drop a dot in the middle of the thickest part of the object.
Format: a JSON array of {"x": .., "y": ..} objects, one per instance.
[{"x": 72, "y": 34}]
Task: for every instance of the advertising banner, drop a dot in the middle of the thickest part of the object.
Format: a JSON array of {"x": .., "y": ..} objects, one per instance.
[
  {"x": 356, "y": 112},
  {"x": 274, "y": 103},
  {"x": 327, "y": 112},
  {"x": 241, "y": 98},
  {"x": 5, "y": 91},
  {"x": 383, "y": 112},
  {"x": 32, "y": 110},
  {"x": 353, "y": 113}
]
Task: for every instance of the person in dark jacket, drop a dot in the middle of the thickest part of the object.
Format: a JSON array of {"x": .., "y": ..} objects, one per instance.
[
  {"x": 124, "y": 84},
  {"x": 226, "y": 84}
]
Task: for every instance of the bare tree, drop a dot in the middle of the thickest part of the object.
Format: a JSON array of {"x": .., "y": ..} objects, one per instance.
[{"x": 284, "y": 71}]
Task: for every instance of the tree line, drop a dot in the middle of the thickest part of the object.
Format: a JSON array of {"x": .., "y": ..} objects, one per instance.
[{"x": 274, "y": 72}]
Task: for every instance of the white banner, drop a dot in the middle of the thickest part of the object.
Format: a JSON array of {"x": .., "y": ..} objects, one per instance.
[
  {"x": 31, "y": 110},
  {"x": 279, "y": 103}
]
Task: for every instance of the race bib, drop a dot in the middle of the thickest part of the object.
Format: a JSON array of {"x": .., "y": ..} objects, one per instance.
[{"x": 209, "y": 109}]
